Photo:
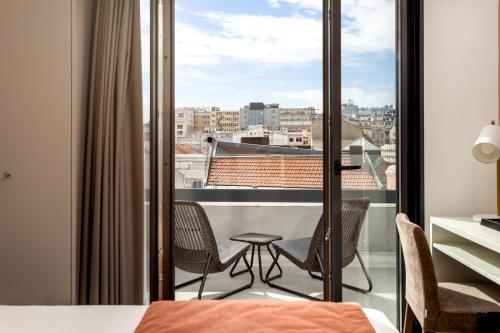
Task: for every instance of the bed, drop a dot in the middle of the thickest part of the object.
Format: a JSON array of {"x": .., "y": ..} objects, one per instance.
[{"x": 85, "y": 319}]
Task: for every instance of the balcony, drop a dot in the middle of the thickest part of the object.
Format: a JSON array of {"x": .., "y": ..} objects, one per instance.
[{"x": 294, "y": 214}]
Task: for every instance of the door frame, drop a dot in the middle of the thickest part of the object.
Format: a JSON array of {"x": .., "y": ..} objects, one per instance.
[
  {"x": 153, "y": 162},
  {"x": 332, "y": 150},
  {"x": 167, "y": 108},
  {"x": 409, "y": 103}
]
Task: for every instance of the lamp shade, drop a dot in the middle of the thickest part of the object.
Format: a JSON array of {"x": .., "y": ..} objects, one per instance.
[{"x": 487, "y": 146}]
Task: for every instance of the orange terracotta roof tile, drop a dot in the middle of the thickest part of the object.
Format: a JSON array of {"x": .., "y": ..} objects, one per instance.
[
  {"x": 282, "y": 172},
  {"x": 186, "y": 149}
]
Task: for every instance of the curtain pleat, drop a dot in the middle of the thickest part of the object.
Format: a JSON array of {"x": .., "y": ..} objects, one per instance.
[{"x": 111, "y": 230}]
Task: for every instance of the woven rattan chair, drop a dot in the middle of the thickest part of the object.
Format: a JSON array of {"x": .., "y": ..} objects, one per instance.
[
  {"x": 306, "y": 253},
  {"x": 197, "y": 251}
]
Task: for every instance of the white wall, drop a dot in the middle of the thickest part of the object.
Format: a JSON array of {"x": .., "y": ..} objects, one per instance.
[
  {"x": 461, "y": 88},
  {"x": 42, "y": 67}
]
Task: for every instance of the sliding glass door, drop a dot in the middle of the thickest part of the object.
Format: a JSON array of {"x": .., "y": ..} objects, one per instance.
[
  {"x": 363, "y": 147},
  {"x": 280, "y": 120},
  {"x": 248, "y": 135}
]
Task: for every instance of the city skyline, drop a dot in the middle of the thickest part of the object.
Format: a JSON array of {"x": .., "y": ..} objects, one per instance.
[{"x": 242, "y": 105}]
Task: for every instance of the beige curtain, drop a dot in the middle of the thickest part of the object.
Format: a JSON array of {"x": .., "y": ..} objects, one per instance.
[{"x": 111, "y": 234}]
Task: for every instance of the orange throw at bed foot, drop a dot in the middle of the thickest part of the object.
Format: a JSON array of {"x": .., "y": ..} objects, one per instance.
[{"x": 253, "y": 316}]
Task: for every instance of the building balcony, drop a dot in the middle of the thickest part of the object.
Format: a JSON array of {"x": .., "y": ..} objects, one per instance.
[{"x": 294, "y": 214}]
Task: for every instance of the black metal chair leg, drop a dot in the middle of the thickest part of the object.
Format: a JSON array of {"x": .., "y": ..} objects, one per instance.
[
  {"x": 232, "y": 274},
  {"x": 249, "y": 285},
  {"x": 314, "y": 276},
  {"x": 200, "y": 278},
  {"x": 187, "y": 283},
  {"x": 204, "y": 277},
  {"x": 260, "y": 265},
  {"x": 277, "y": 265},
  {"x": 320, "y": 262},
  {"x": 275, "y": 261},
  {"x": 291, "y": 291},
  {"x": 367, "y": 276}
]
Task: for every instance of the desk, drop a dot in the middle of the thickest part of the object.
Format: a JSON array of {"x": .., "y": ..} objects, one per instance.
[{"x": 464, "y": 250}]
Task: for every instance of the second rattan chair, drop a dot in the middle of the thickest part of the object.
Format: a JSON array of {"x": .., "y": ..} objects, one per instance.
[
  {"x": 197, "y": 251},
  {"x": 306, "y": 253}
]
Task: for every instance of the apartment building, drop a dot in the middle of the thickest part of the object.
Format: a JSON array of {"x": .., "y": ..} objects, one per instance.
[
  {"x": 297, "y": 119},
  {"x": 216, "y": 120},
  {"x": 227, "y": 121},
  {"x": 376, "y": 123},
  {"x": 184, "y": 121},
  {"x": 297, "y": 122},
  {"x": 349, "y": 109},
  {"x": 204, "y": 119},
  {"x": 259, "y": 113}
]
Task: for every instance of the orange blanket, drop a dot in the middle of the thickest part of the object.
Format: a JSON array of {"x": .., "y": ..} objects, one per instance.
[{"x": 253, "y": 316}]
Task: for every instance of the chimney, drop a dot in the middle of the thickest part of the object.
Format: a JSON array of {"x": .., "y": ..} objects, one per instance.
[{"x": 356, "y": 152}]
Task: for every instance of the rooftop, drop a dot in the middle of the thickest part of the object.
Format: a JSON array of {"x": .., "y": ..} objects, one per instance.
[
  {"x": 364, "y": 143},
  {"x": 282, "y": 171},
  {"x": 186, "y": 149},
  {"x": 247, "y": 149}
]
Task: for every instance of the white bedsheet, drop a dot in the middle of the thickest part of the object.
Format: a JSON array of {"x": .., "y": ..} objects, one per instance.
[{"x": 103, "y": 319}]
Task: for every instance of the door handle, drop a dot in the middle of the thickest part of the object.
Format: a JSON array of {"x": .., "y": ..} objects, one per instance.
[
  {"x": 339, "y": 167},
  {"x": 327, "y": 236}
]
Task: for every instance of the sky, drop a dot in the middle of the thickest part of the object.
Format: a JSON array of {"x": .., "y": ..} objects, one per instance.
[
  {"x": 145, "y": 48},
  {"x": 229, "y": 53}
]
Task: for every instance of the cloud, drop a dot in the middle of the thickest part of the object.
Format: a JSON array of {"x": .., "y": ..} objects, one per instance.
[
  {"x": 314, "y": 97},
  {"x": 306, "y": 97},
  {"x": 273, "y": 3},
  {"x": 314, "y": 5},
  {"x": 368, "y": 26},
  {"x": 368, "y": 98},
  {"x": 256, "y": 39}
]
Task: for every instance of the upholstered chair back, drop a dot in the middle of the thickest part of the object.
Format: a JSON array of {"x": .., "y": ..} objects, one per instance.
[{"x": 421, "y": 283}]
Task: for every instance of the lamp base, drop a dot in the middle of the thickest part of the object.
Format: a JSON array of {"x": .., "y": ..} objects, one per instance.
[{"x": 479, "y": 217}]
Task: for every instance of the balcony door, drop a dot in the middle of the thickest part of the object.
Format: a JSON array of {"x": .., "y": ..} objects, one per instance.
[
  {"x": 275, "y": 114},
  {"x": 363, "y": 161}
]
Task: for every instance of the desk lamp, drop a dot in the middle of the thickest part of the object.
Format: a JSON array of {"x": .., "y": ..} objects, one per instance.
[{"x": 487, "y": 150}]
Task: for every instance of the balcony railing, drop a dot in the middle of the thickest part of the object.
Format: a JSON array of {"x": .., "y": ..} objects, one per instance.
[
  {"x": 291, "y": 213},
  {"x": 278, "y": 195}
]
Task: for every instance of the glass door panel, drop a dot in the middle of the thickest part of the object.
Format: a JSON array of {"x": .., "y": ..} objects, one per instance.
[
  {"x": 368, "y": 142},
  {"x": 248, "y": 135}
]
